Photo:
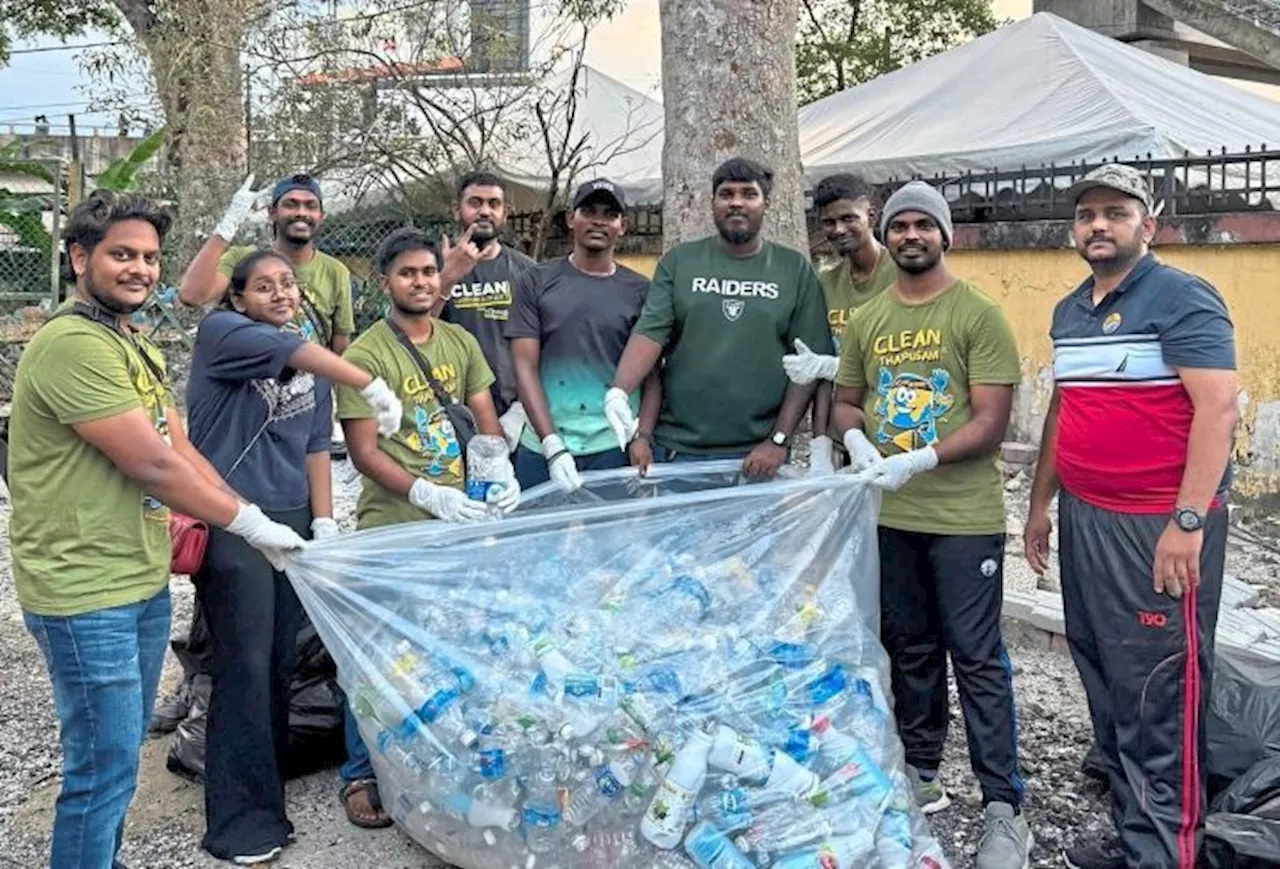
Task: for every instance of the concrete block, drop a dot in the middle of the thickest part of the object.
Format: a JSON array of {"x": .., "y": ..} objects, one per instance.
[
  {"x": 1014, "y": 453},
  {"x": 1048, "y": 618},
  {"x": 1019, "y": 604},
  {"x": 1237, "y": 594}
]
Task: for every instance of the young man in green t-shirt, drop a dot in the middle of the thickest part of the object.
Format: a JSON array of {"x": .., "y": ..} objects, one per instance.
[
  {"x": 419, "y": 472},
  {"x": 98, "y": 459},
  {"x": 864, "y": 270},
  {"x": 923, "y": 396},
  {"x": 722, "y": 311}
]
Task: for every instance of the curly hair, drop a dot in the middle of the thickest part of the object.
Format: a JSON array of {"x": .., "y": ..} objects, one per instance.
[{"x": 98, "y": 212}]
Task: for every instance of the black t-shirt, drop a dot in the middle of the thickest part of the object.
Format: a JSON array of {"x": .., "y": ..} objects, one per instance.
[
  {"x": 582, "y": 322},
  {"x": 480, "y": 303}
]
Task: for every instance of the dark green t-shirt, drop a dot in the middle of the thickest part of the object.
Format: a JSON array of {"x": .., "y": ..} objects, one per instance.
[
  {"x": 917, "y": 363},
  {"x": 844, "y": 295},
  {"x": 426, "y": 444},
  {"x": 725, "y": 323}
]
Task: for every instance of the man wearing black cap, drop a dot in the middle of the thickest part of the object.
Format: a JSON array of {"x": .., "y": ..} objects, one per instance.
[
  {"x": 296, "y": 214},
  {"x": 923, "y": 395},
  {"x": 1137, "y": 444},
  {"x": 569, "y": 323}
]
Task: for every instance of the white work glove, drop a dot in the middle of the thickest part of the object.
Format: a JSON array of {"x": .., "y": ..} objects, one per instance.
[
  {"x": 513, "y": 423},
  {"x": 509, "y": 496},
  {"x": 805, "y": 366},
  {"x": 564, "y": 470},
  {"x": 862, "y": 453},
  {"x": 821, "y": 461},
  {"x": 893, "y": 472},
  {"x": 617, "y": 410},
  {"x": 323, "y": 527},
  {"x": 242, "y": 202},
  {"x": 386, "y": 407},
  {"x": 272, "y": 539},
  {"x": 446, "y": 503}
]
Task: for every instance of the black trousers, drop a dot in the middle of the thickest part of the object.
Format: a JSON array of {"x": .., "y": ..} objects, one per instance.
[
  {"x": 939, "y": 595},
  {"x": 1145, "y": 660},
  {"x": 254, "y": 617}
]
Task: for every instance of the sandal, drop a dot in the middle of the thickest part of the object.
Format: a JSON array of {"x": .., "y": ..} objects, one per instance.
[{"x": 373, "y": 819}]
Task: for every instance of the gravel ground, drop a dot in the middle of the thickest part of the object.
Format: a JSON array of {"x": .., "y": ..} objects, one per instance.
[{"x": 166, "y": 821}]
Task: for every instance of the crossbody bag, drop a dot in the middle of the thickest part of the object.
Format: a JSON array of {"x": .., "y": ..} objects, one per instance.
[{"x": 460, "y": 416}]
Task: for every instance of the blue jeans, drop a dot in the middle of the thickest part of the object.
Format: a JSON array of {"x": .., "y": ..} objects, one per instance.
[
  {"x": 532, "y": 470},
  {"x": 358, "y": 765},
  {"x": 104, "y": 666}
]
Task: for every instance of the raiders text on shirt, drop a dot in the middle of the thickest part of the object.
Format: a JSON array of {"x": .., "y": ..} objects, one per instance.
[{"x": 732, "y": 287}]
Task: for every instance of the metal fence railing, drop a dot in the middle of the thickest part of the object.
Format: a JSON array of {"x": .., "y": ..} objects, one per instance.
[{"x": 31, "y": 218}]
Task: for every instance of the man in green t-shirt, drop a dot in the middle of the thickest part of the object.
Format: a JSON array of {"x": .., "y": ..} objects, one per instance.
[
  {"x": 98, "y": 458},
  {"x": 419, "y": 472},
  {"x": 864, "y": 270},
  {"x": 722, "y": 311},
  {"x": 925, "y": 387}
]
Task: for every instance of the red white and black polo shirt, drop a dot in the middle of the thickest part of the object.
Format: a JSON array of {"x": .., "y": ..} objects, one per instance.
[{"x": 1123, "y": 415}]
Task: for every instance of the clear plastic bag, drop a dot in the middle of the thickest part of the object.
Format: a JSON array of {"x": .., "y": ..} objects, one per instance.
[{"x": 668, "y": 671}]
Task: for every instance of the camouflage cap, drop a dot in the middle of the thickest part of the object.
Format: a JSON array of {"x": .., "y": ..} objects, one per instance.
[{"x": 1114, "y": 176}]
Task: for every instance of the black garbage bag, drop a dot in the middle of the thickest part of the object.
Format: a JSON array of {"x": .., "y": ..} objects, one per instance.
[
  {"x": 315, "y": 716},
  {"x": 1243, "y": 726},
  {"x": 1242, "y": 830}
]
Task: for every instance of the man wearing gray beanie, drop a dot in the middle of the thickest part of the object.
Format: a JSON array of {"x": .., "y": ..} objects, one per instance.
[{"x": 923, "y": 395}]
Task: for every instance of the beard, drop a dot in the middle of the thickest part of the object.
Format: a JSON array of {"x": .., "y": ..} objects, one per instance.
[
  {"x": 284, "y": 233},
  {"x": 104, "y": 300},
  {"x": 737, "y": 236},
  {"x": 1121, "y": 259},
  {"x": 482, "y": 235},
  {"x": 918, "y": 266},
  {"x": 413, "y": 309}
]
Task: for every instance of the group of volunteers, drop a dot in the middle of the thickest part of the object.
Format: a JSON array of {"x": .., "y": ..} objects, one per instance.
[{"x": 906, "y": 371}]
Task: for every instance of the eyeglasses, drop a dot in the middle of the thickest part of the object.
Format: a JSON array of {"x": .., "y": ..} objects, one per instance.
[{"x": 286, "y": 286}]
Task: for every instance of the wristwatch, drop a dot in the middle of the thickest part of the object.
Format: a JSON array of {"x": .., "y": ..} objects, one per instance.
[
  {"x": 780, "y": 439},
  {"x": 1188, "y": 519}
]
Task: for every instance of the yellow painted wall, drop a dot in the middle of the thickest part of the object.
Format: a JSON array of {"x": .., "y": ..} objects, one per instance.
[{"x": 644, "y": 263}]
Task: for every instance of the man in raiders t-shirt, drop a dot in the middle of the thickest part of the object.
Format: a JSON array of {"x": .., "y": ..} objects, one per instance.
[
  {"x": 481, "y": 274},
  {"x": 571, "y": 319}
]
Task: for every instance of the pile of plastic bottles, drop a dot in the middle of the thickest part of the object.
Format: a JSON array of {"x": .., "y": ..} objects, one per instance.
[{"x": 673, "y": 672}]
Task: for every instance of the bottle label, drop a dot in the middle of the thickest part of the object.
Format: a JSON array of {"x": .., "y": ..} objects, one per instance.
[
  {"x": 670, "y": 808},
  {"x": 436, "y": 704},
  {"x": 492, "y": 763},
  {"x": 478, "y": 490},
  {"x": 581, "y": 685},
  {"x": 608, "y": 783}
]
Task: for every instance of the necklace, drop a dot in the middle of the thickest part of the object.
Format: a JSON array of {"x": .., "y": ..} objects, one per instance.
[{"x": 613, "y": 267}]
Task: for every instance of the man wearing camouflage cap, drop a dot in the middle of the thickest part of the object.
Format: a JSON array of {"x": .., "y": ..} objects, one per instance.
[{"x": 1137, "y": 443}]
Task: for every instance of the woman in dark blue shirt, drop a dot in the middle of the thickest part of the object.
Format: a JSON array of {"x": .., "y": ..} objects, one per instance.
[{"x": 259, "y": 409}]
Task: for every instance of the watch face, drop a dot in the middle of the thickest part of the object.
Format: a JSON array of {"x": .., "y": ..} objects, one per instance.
[
  {"x": 1188, "y": 520},
  {"x": 779, "y": 438}
]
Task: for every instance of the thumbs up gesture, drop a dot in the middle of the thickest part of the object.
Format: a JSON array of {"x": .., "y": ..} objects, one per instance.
[{"x": 804, "y": 366}]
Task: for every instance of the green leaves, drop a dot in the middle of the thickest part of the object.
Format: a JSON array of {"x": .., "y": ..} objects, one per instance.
[{"x": 123, "y": 173}]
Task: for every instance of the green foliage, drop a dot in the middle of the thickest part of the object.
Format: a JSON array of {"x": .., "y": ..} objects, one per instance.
[
  {"x": 20, "y": 19},
  {"x": 842, "y": 43},
  {"x": 123, "y": 173},
  {"x": 20, "y": 213}
]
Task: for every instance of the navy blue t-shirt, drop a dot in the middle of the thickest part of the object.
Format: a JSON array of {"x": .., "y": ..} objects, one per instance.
[{"x": 241, "y": 385}]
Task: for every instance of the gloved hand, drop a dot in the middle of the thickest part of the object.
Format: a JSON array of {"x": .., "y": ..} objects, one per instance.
[
  {"x": 272, "y": 539},
  {"x": 805, "y": 366},
  {"x": 509, "y": 495},
  {"x": 446, "y": 503},
  {"x": 617, "y": 410},
  {"x": 893, "y": 472},
  {"x": 862, "y": 453},
  {"x": 386, "y": 406},
  {"x": 564, "y": 470},
  {"x": 820, "y": 459},
  {"x": 323, "y": 527},
  {"x": 513, "y": 423},
  {"x": 242, "y": 202}
]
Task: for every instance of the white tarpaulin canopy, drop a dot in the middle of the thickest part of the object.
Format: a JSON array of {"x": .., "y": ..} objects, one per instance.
[
  {"x": 1039, "y": 91},
  {"x": 623, "y": 130}
]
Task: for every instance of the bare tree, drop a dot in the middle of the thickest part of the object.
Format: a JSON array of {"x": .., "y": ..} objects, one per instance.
[{"x": 729, "y": 88}]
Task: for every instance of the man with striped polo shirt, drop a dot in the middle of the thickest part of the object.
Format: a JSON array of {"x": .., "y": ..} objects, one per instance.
[{"x": 1138, "y": 439}]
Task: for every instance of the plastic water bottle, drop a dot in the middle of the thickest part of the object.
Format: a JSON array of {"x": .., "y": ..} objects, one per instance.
[
  {"x": 369, "y": 704},
  {"x": 732, "y": 808},
  {"x": 488, "y": 463},
  {"x": 757, "y": 764},
  {"x": 859, "y": 779},
  {"x": 893, "y": 840},
  {"x": 841, "y": 851},
  {"x": 606, "y": 786},
  {"x": 668, "y": 813},
  {"x": 576, "y": 687},
  {"x": 541, "y": 815},
  {"x": 867, "y": 724},
  {"x": 711, "y": 849}
]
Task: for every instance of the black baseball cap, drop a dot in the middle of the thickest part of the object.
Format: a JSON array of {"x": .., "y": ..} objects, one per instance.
[
  {"x": 601, "y": 188},
  {"x": 296, "y": 182}
]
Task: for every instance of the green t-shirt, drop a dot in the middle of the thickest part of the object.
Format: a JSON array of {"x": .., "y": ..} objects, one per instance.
[
  {"x": 844, "y": 295},
  {"x": 426, "y": 445},
  {"x": 84, "y": 536},
  {"x": 917, "y": 363},
  {"x": 725, "y": 323},
  {"x": 326, "y": 293}
]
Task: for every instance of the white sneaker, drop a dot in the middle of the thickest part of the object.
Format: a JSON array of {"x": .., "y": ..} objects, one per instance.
[
  {"x": 254, "y": 859},
  {"x": 930, "y": 796},
  {"x": 1006, "y": 839}
]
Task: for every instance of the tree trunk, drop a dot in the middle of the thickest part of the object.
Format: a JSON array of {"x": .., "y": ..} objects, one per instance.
[
  {"x": 729, "y": 89},
  {"x": 194, "y": 52}
]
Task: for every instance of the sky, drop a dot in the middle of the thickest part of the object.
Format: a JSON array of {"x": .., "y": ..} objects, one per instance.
[{"x": 626, "y": 48}]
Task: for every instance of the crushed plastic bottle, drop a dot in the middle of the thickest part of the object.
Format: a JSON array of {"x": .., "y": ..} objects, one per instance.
[
  {"x": 711, "y": 849},
  {"x": 673, "y": 803}
]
